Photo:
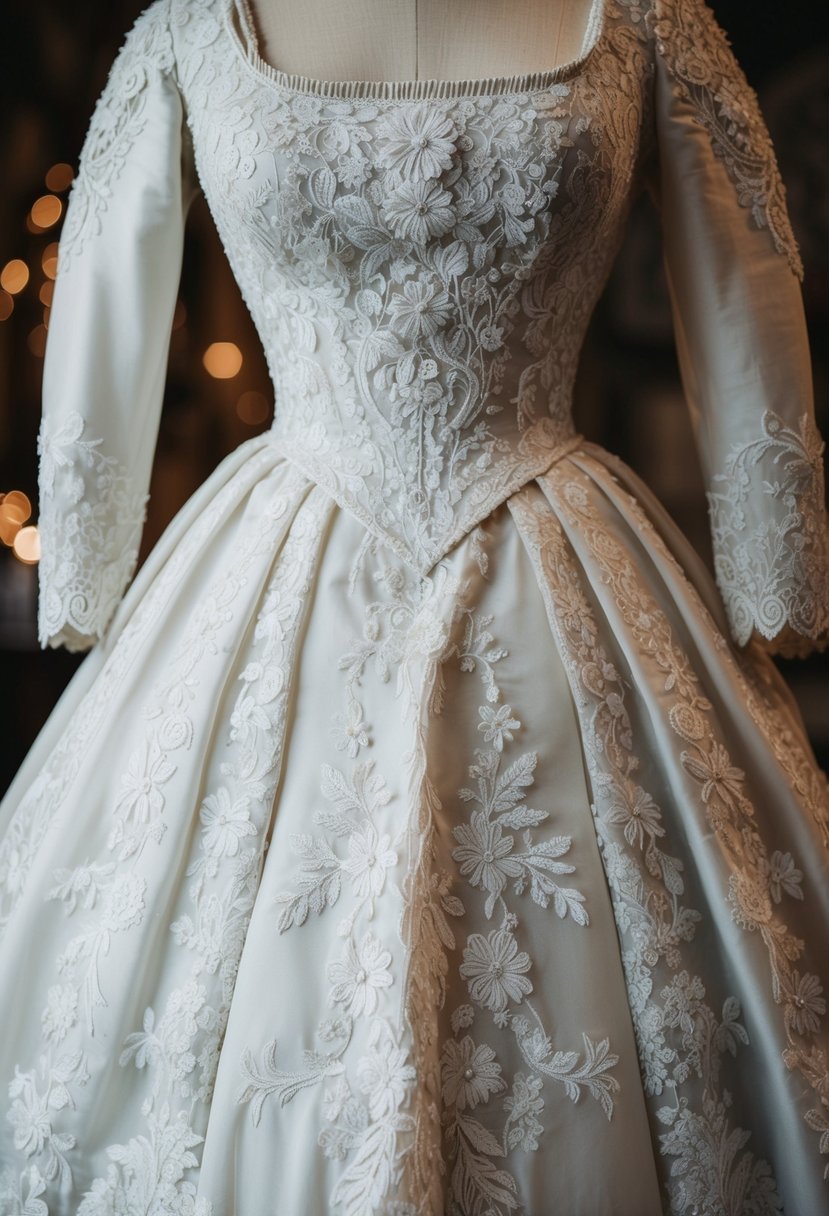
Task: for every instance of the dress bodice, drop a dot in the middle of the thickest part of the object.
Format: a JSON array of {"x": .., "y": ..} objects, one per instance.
[{"x": 420, "y": 258}]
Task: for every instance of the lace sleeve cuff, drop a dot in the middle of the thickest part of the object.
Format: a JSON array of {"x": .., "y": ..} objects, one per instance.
[
  {"x": 771, "y": 542},
  {"x": 91, "y": 519}
]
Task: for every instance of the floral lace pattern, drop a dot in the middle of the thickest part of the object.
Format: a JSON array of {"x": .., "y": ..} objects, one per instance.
[
  {"x": 699, "y": 56},
  {"x": 682, "y": 1040},
  {"x": 770, "y": 533},
  {"x": 118, "y": 119},
  {"x": 444, "y": 252},
  {"x": 421, "y": 270},
  {"x": 91, "y": 518},
  {"x": 179, "y": 1045}
]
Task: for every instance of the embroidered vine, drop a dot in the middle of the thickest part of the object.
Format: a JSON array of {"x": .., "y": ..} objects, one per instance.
[
  {"x": 118, "y": 119},
  {"x": 771, "y": 539},
  {"x": 655, "y": 926},
  {"x": 700, "y": 58},
  {"x": 111, "y": 897},
  {"x": 445, "y": 251},
  {"x": 421, "y": 271},
  {"x": 91, "y": 518}
]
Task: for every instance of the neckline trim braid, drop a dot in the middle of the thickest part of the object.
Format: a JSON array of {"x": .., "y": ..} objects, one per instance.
[{"x": 403, "y": 90}]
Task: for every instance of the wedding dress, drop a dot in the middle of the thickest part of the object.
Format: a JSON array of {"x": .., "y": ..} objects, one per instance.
[{"x": 424, "y": 832}]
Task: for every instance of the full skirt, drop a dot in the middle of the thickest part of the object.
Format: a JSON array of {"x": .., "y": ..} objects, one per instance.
[{"x": 332, "y": 888}]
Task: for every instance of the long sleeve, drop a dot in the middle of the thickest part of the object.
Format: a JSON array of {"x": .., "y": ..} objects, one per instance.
[
  {"x": 734, "y": 277},
  {"x": 119, "y": 264}
]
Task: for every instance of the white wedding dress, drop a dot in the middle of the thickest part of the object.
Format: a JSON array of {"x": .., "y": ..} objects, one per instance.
[{"x": 424, "y": 833}]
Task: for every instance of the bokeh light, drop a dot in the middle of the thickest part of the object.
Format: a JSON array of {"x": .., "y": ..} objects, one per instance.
[
  {"x": 27, "y": 545},
  {"x": 6, "y": 305},
  {"x": 14, "y": 276},
  {"x": 16, "y": 500},
  {"x": 253, "y": 408},
  {"x": 15, "y": 509},
  {"x": 46, "y": 211},
  {"x": 59, "y": 177},
  {"x": 36, "y": 341},
  {"x": 49, "y": 261},
  {"x": 222, "y": 360}
]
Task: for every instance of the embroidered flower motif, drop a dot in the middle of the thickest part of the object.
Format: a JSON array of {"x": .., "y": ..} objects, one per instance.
[
  {"x": 421, "y": 310},
  {"x": 418, "y": 211},
  {"x": 14, "y": 871},
  {"x": 383, "y": 1073},
  {"x": 750, "y": 899},
  {"x": 806, "y": 1005},
  {"x": 28, "y": 1115},
  {"x": 418, "y": 398},
  {"x": 61, "y": 1012},
  {"x": 247, "y": 718},
  {"x": 469, "y": 1073},
  {"x": 141, "y": 799},
  {"x": 716, "y": 774},
  {"x": 483, "y": 851},
  {"x": 184, "y": 1014},
  {"x": 634, "y": 808},
  {"x": 19, "y": 1195},
  {"x": 497, "y": 725},
  {"x": 61, "y": 448},
  {"x": 429, "y": 633},
  {"x": 523, "y": 1105},
  {"x": 492, "y": 337},
  {"x": 369, "y": 856},
  {"x": 495, "y": 969},
  {"x": 770, "y": 539},
  {"x": 225, "y": 823},
  {"x": 696, "y": 51},
  {"x": 417, "y": 141},
  {"x": 462, "y": 1018},
  {"x": 683, "y": 998},
  {"x": 350, "y": 731},
  {"x": 124, "y": 903},
  {"x": 358, "y": 978},
  {"x": 784, "y": 876}
]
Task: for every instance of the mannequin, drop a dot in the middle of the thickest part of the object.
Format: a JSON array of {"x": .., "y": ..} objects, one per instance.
[{"x": 418, "y": 39}]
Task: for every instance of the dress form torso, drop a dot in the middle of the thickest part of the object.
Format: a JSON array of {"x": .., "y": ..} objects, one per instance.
[{"x": 418, "y": 39}]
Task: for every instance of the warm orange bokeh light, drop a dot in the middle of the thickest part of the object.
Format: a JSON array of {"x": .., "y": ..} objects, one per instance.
[
  {"x": 46, "y": 211},
  {"x": 6, "y": 305},
  {"x": 59, "y": 177},
  {"x": 14, "y": 276},
  {"x": 16, "y": 503},
  {"x": 223, "y": 360},
  {"x": 27, "y": 545},
  {"x": 36, "y": 341},
  {"x": 49, "y": 261},
  {"x": 253, "y": 408},
  {"x": 45, "y": 293},
  {"x": 15, "y": 509}
]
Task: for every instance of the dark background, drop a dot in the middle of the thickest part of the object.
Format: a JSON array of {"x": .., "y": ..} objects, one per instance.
[{"x": 54, "y": 58}]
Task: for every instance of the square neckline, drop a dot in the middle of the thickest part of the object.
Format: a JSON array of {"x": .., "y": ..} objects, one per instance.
[{"x": 411, "y": 89}]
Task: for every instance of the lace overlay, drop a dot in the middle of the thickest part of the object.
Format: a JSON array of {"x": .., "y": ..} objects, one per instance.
[
  {"x": 91, "y": 518},
  {"x": 683, "y": 1041},
  {"x": 770, "y": 533},
  {"x": 700, "y": 58},
  {"x": 118, "y": 118},
  {"x": 421, "y": 272},
  {"x": 502, "y": 951}
]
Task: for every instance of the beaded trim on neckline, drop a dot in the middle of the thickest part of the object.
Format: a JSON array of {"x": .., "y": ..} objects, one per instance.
[{"x": 401, "y": 90}]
